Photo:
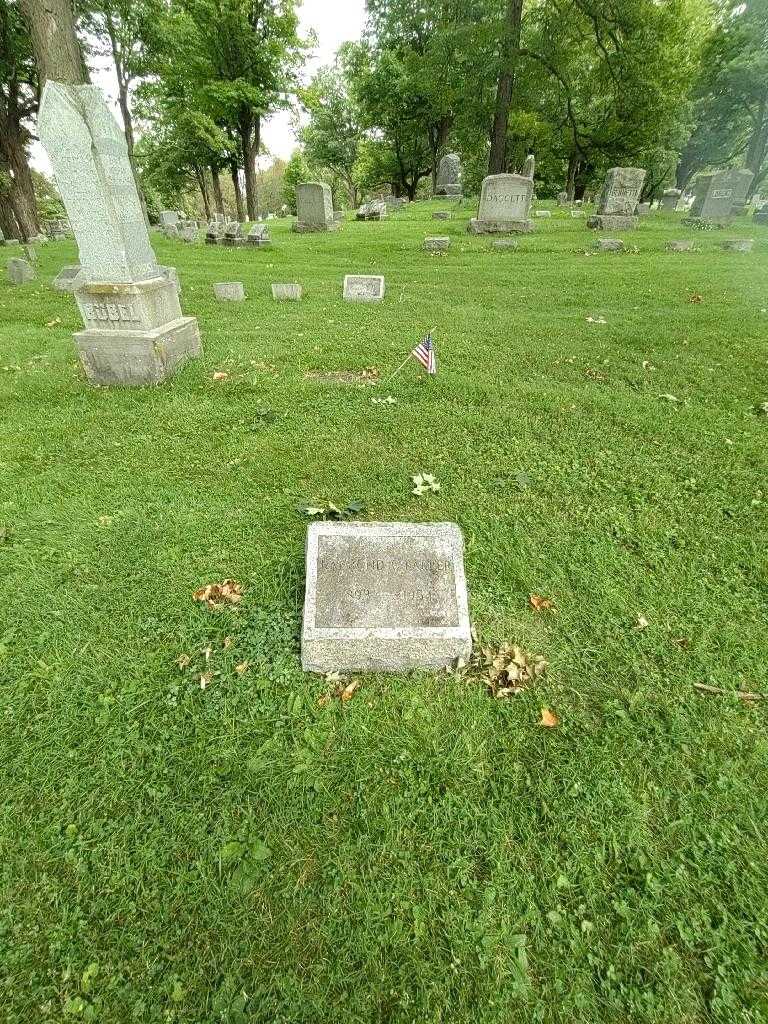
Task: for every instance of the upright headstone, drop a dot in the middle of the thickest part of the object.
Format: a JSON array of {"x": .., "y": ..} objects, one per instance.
[
  {"x": 315, "y": 208},
  {"x": 134, "y": 333},
  {"x": 529, "y": 167},
  {"x": 214, "y": 232},
  {"x": 505, "y": 206},
  {"x": 449, "y": 176},
  {"x": 384, "y": 597},
  {"x": 188, "y": 231},
  {"x": 562, "y": 198},
  {"x": 617, "y": 202},
  {"x": 258, "y": 236},
  {"x": 669, "y": 199},
  {"x": 19, "y": 271},
  {"x": 716, "y": 195},
  {"x": 761, "y": 216},
  {"x": 169, "y": 218},
  {"x": 233, "y": 234}
]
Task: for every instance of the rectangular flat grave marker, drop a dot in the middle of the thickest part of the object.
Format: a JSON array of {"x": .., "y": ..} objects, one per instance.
[
  {"x": 384, "y": 597},
  {"x": 363, "y": 288}
]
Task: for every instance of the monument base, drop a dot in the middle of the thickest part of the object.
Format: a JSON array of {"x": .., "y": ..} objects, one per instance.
[
  {"x": 306, "y": 229},
  {"x": 612, "y": 222},
  {"x": 373, "y": 653},
  {"x": 138, "y": 358},
  {"x": 500, "y": 227}
]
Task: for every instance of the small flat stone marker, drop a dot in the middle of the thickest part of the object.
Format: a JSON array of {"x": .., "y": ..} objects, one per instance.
[
  {"x": 542, "y": 213},
  {"x": 609, "y": 244},
  {"x": 504, "y": 244},
  {"x": 286, "y": 292},
  {"x": 19, "y": 271},
  {"x": 680, "y": 245},
  {"x": 363, "y": 288},
  {"x": 229, "y": 291},
  {"x": 384, "y": 597},
  {"x": 442, "y": 215},
  {"x": 437, "y": 243},
  {"x": 738, "y": 244}
]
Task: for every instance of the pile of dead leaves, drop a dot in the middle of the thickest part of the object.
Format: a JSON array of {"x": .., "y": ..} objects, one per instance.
[
  {"x": 505, "y": 670},
  {"x": 218, "y": 595},
  {"x": 339, "y": 689}
]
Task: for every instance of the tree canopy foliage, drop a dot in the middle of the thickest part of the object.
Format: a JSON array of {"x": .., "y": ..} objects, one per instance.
[{"x": 674, "y": 86}]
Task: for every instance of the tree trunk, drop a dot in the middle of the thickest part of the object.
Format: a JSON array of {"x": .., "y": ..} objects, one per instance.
[
  {"x": 235, "y": 170},
  {"x": 21, "y": 193},
  {"x": 570, "y": 182},
  {"x": 202, "y": 184},
  {"x": 250, "y": 130},
  {"x": 758, "y": 144},
  {"x": 123, "y": 96},
  {"x": 54, "y": 41},
  {"x": 497, "y": 162},
  {"x": 8, "y": 224},
  {"x": 218, "y": 198}
]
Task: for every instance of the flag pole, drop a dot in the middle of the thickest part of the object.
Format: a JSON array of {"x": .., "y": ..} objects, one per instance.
[{"x": 400, "y": 367}]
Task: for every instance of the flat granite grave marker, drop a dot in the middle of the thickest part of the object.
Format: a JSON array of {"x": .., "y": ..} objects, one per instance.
[
  {"x": 314, "y": 207},
  {"x": 505, "y": 206},
  {"x": 437, "y": 243},
  {"x": 384, "y": 597},
  {"x": 229, "y": 291},
  {"x": 135, "y": 333},
  {"x": 617, "y": 203},
  {"x": 363, "y": 288},
  {"x": 286, "y": 292},
  {"x": 67, "y": 278}
]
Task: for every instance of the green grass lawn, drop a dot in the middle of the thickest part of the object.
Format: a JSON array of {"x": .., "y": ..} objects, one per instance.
[{"x": 423, "y": 853}]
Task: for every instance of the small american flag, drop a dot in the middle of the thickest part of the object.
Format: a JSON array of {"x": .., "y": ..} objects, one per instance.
[{"x": 425, "y": 353}]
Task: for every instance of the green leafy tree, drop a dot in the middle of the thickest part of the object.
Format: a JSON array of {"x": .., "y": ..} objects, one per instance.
[
  {"x": 296, "y": 173},
  {"x": 238, "y": 61},
  {"x": 731, "y": 95},
  {"x": 333, "y": 136}
]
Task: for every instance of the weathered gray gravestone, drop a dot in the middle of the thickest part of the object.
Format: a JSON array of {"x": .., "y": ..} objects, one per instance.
[
  {"x": 761, "y": 216},
  {"x": 716, "y": 195},
  {"x": 259, "y": 236},
  {"x": 669, "y": 199},
  {"x": 134, "y": 333},
  {"x": 617, "y": 203},
  {"x": 233, "y": 234},
  {"x": 505, "y": 206},
  {"x": 680, "y": 245},
  {"x": 286, "y": 292},
  {"x": 229, "y": 291},
  {"x": 562, "y": 198},
  {"x": 384, "y": 597},
  {"x": 314, "y": 207},
  {"x": 19, "y": 271},
  {"x": 169, "y": 218},
  {"x": 214, "y": 232},
  {"x": 449, "y": 176},
  {"x": 67, "y": 278},
  {"x": 437, "y": 243},
  {"x": 363, "y": 288}
]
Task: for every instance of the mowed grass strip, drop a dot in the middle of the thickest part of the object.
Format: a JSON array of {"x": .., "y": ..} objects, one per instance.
[{"x": 421, "y": 853}]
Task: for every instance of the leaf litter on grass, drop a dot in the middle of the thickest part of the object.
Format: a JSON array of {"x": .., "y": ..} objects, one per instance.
[
  {"x": 505, "y": 670},
  {"x": 218, "y": 595}
]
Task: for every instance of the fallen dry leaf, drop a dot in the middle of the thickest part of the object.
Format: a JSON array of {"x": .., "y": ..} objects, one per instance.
[
  {"x": 682, "y": 642},
  {"x": 696, "y": 297},
  {"x": 54, "y": 323},
  {"x": 220, "y": 375},
  {"x": 205, "y": 679},
  {"x": 183, "y": 661},
  {"x": 242, "y": 668},
  {"x": 227, "y": 642},
  {"x": 541, "y": 604},
  {"x": 549, "y": 719},
  {"x": 506, "y": 670},
  {"x": 215, "y": 595},
  {"x": 642, "y": 622},
  {"x": 349, "y": 691}
]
